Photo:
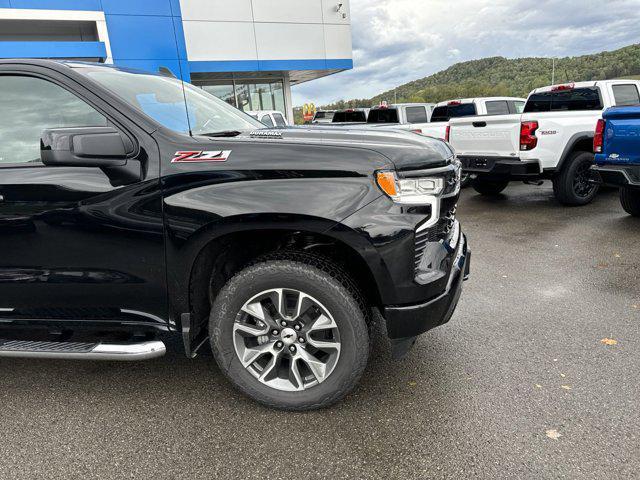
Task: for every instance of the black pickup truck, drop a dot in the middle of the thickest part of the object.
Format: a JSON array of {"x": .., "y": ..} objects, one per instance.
[{"x": 134, "y": 208}]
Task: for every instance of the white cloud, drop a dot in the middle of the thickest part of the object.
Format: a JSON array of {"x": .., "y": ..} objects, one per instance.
[{"x": 396, "y": 41}]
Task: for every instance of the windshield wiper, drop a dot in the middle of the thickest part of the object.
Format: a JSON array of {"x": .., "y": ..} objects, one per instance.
[{"x": 224, "y": 133}]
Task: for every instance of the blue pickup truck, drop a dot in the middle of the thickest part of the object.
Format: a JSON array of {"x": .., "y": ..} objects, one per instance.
[{"x": 617, "y": 147}]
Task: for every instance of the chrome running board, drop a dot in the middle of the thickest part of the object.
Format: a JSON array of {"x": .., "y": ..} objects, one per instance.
[{"x": 82, "y": 351}]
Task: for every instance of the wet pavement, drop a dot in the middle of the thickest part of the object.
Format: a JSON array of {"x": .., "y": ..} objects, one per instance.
[{"x": 518, "y": 385}]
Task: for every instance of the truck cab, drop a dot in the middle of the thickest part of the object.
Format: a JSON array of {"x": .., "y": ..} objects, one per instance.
[{"x": 136, "y": 209}]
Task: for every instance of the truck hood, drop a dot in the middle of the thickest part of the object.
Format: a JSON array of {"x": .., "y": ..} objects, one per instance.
[{"x": 406, "y": 150}]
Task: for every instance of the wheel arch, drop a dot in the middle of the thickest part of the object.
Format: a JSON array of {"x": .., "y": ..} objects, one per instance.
[
  {"x": 219, "y": 250},
  {"x": 580, "y": 142}
]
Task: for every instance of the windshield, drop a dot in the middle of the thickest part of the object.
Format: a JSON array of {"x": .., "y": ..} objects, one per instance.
[{"x": 163, "y": 99}]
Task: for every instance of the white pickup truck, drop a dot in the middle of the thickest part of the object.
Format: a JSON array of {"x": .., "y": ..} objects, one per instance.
[
  {"x": 552, "y": 139},
  {"x": 271, "y": 118},
  {"x": 469, "y": 107},
  {"x": 401, "y": 116}
]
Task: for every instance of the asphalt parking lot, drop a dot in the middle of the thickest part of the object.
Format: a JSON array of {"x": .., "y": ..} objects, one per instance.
[{"x": 518, "y": 385}]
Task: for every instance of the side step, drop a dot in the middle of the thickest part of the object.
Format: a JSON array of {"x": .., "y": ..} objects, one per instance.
[{"x": 81, "y": 351}]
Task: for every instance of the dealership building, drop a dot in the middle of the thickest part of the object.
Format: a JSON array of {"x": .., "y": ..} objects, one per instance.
[{"x": 247, "y": 52}]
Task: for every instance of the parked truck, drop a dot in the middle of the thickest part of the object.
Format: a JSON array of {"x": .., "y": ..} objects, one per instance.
[
  {"x": 401, "y": 116},
  {"x": 126, "y": 222},
  {"x": 617, "y": 146},
  {"x": 469, "y": 107},
  {"x": 551, "y": 140},
  {"x": 270, "y": 118}
]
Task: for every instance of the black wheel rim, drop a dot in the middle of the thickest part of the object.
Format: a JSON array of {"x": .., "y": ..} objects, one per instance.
[{"x": 582, "y": 185}]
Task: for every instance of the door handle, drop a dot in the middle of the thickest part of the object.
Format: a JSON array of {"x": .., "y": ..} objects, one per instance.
[
  {"x": 479, "y": 124},
  {"x": 1, "y": 198}
]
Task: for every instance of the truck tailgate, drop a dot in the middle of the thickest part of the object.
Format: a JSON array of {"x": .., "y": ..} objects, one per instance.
[
  {"x": 487, "y": 136},
  {"x": 622, "y": 136}
]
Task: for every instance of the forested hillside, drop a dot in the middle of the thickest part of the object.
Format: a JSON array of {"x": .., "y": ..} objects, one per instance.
[{"x": 498, "y": 76}]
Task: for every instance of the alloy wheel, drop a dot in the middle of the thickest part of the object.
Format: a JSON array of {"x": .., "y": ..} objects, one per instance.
[
  {"x": 286, "y": 339},
  {"x": 582, "y": 186}
]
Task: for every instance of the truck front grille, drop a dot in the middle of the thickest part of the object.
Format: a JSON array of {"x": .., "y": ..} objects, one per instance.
[{"x": 435, "y": 234}]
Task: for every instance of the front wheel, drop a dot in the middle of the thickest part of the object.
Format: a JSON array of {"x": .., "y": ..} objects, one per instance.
[
  {"x": 630, "y": 200},
  {"x": 573, "y": 185},
  {"x": 489, "y": 187},
  {"x": 290, "y": 333}
]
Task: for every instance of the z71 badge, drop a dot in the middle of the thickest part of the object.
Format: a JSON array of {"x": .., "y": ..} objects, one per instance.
[{"x": 195, "y": 157}]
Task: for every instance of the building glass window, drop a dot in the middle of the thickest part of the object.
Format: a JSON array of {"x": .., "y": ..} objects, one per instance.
[
  {"x": 243, "y": 97},
  {"x": 277, "y": 89},
  {"x": 223, "y": 90},
  {"x": 250, "y": 95},
  {"x": 261, "y": 98}
]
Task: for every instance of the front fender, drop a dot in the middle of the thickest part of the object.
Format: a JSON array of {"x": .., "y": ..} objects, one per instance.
[
  {"x": 198, "y": 213},
  {"x": 183, "y": 255}
]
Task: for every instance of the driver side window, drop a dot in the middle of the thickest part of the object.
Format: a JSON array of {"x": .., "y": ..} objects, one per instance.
[{"x": 29, "y": 105}]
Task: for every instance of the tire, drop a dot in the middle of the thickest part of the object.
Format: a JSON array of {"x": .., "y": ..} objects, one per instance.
[
  {"x": 630, "y": 200},
  {"x": 489, "y": 187},
  {"x": 332, "y": 290},
  {"x": 571, "y": 186}
]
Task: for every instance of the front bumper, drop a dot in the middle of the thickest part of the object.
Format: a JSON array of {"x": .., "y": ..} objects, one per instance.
[
  {"x": 417, "y": 256},
  {"x": 506, "y": 168},
  {"x": 617, "y": 175},
  {"x": 406, "y": 322}
]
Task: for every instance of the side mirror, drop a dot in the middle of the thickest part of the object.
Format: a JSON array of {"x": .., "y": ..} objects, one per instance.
[{"x": 85, "y": 147}]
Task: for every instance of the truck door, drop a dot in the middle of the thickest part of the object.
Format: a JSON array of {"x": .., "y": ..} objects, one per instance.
[{"x": 76, "y": 243}]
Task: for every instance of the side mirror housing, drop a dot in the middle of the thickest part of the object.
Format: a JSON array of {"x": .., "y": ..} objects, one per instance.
[{"x": 85, "y": 147}]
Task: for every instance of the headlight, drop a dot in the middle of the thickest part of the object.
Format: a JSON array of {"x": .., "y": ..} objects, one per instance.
[{"x": 411, "y": 191}]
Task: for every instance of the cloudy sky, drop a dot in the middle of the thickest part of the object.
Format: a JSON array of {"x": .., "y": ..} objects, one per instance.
[{"x": 395, "y": 41}]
